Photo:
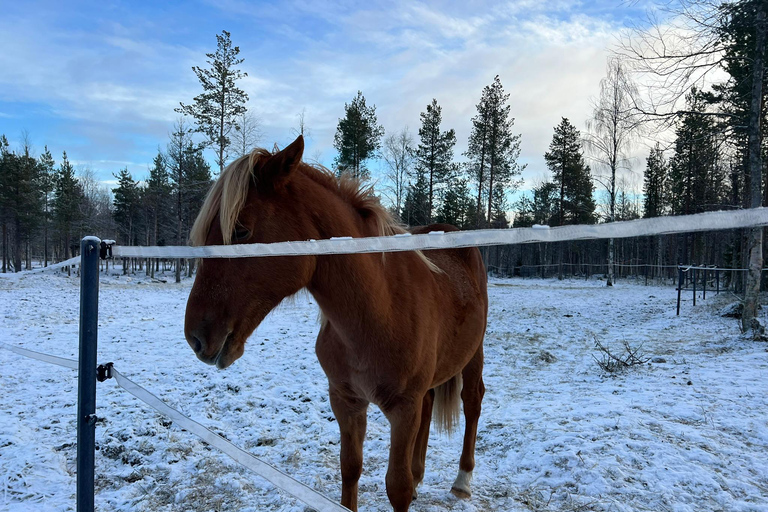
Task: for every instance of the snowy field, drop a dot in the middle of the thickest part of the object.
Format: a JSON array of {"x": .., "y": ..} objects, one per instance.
[{"x": 686, "y": 432}]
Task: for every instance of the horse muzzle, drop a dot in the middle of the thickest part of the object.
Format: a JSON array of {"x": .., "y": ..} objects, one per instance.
[{"x": 212, "y": 349}]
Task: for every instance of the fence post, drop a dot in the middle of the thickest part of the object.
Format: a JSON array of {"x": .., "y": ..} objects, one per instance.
[
  {"x": 717, "y": 280},
  {"x": 86, "y": 378},
  {"x": 694, "y": 286},
  {"x": 679, "y": 286},
  {"x": 704, "y": 296}
]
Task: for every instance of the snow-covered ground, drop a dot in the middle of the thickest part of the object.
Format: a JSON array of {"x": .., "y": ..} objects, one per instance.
[{"x": 687, "y": 432}]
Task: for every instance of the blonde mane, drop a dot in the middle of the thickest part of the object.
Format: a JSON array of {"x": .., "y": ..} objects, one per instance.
[
  {"x": 228, "y": 194},
  {"x": 226, "y": 198}
]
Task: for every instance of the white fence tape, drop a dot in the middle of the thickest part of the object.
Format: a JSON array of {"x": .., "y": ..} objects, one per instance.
[
  {"x": 66, "y": 363},
  {"x": 306, "y": 494},
  {"x": 55, "y": 266},
  {"x": 709, "y": 221}
]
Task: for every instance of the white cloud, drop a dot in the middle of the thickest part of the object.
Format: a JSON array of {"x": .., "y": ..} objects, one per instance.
[{"x": 117, "y": 85}]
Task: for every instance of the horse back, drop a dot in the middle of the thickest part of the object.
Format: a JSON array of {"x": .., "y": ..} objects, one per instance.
[{"x": 463, "y": 270}]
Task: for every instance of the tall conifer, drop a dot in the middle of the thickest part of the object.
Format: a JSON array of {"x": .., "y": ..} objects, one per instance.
[
  {"x": 358, "y": 137},
  {"x": 217, "y": 108},
  {"x": 571, "y": 175},
  {"x": 493, "y": 149},
  {"x": 434, "y": 154}
]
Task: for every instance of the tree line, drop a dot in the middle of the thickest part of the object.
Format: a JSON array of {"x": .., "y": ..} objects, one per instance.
[{"x": 708, "y": 166}]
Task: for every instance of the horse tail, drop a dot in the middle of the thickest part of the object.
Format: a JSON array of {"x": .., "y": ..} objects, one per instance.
[{"x": 445, "y": 412}]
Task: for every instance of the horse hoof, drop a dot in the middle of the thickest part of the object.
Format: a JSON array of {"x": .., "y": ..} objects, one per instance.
[
  {"x": 461, "y": 493},
  {"x": 461, "y": 487},
  {"x": 415, "y": 490}
]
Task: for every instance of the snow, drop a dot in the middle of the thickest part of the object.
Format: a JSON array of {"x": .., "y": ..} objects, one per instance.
[{"x": 688, "y": 432}]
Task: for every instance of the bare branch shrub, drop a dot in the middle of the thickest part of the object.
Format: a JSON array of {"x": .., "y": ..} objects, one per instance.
[{"x": 613, "y": 363}]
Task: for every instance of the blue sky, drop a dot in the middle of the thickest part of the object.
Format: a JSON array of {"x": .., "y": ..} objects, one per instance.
[{"x": 101, "y": 79}]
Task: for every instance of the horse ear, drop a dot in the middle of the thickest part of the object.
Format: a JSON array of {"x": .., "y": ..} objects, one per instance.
[{"x": 282, "y": 163}]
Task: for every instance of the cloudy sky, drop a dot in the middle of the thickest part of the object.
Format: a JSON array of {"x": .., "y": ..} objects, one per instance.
[{"x": 101, "y": 79}]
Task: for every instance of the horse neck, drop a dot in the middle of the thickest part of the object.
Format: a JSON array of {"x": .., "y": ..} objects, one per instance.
[{"x": 349, "y": 288}]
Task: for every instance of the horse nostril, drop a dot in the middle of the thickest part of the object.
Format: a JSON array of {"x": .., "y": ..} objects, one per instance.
[{"x": 198, "y": 345}]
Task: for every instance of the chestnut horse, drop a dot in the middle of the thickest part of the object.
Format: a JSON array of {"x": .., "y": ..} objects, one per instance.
[{"x": 400, "y": 330}]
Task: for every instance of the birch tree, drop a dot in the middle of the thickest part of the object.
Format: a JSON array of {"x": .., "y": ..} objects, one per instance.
[
  {"x": 611, "y": 131},
  {"x": 398, "y": 155},
  {"x": 247, "y": 133}
]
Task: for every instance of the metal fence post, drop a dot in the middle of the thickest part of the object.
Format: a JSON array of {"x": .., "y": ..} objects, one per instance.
[
  {"x": 694, "y": 286},
  {"x": 704, "y": 285},
  {"x": 679, "y": 286},
  {"x": 86, "y": 378},
  {"x": 717, "y": 280}
]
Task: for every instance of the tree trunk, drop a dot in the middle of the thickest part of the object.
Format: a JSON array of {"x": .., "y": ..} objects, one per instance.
[
  {"x": 611, "y": 244},
  {"x": 755, "y": 243},
  {"x": 659, "y": 257},
  {"x": 17, "y": 245},
  {"x": 45, "y": 232},
  {"x": 479, "y": 214},
  {"x": 5, "y": 247}
]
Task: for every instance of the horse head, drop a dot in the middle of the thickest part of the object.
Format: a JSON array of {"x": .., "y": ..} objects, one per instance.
[{"x": 254, "y": 201}]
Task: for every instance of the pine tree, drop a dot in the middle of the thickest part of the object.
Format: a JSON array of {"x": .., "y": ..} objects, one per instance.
[
  {"x": 198, "y": 181},
  {"x": 416, "y": 205},
  {"x": 456, "y": 205},
  {"x": 570, "y": 173},
  {"x": 493, "y": 149},
  {"x": 190, "y": 178},
  {"x": 434, "y": 154},
  {"x": 46, "y": 183},
  {"x": 68, "y": 195},
  {"x": 655, "y": 184},
  {"x": 542, "y": 209},
  {"x": 696, "y": 179},
  {"x": 216, "y": 110},
  {"x": 157, "y": 196},
  {"x": 127, "y": 205},
  {"x": 357, "y": 138},
  {"x": 22, "y": 198},
  {"x": 499, "y": 207}
]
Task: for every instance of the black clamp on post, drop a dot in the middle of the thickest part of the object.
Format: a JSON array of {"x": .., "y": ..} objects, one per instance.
[
  {"x": 105, "y": 249},
  {"x": 104, "y": 372}
]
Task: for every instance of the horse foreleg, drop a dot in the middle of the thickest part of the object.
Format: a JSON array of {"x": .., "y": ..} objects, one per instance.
[
  {"x": 404, "y": 419},
  {"x": 420, "y": 449},
  {"x": 472, "y": 397},
  {"x": 351, "y": 413}
]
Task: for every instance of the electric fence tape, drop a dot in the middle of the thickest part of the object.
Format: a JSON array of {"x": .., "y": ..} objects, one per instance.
[
  {"x": 55, "y": 266},
  {"x": 710, "y": 221},
  {"x": 302, "y": 492}
]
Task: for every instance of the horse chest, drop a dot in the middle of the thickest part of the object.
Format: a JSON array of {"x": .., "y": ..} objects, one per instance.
[{"x": 376, "y": 377}]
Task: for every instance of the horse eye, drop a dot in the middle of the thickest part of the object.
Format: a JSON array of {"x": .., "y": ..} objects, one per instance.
[{"x": 241, "y": 234}]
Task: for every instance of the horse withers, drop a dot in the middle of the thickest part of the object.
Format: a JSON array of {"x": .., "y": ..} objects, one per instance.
[{"x": 401, "y": 330}]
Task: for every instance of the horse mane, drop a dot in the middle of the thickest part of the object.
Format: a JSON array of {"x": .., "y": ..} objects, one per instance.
[
  {"x": 226, "y": 198},
  {"x": 228, "y": 194}
]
